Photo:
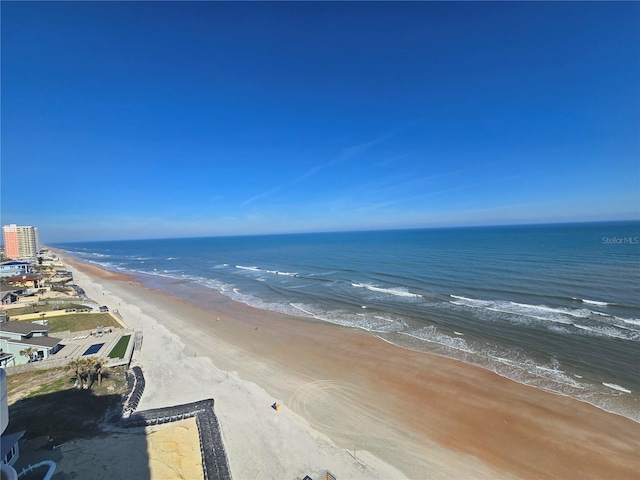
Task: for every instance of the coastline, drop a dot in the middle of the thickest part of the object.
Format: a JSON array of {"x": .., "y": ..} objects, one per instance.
[{"x": 428, "y": 416}]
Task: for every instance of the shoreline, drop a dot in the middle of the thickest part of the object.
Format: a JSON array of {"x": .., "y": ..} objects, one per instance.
[
  {"x": 629, "y": 408},
  {"x": 259, "y": 442},
  {"x": 468, "y": 423}
]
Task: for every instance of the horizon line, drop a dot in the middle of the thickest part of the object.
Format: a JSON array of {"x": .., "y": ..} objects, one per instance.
[{"x": 364, "y": 230}]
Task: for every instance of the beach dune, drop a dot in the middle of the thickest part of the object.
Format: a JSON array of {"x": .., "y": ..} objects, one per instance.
[{"x": 351, "y": 402}]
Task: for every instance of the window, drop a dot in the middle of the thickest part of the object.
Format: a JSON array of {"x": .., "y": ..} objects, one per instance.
[{"x": 9, "y": 456}]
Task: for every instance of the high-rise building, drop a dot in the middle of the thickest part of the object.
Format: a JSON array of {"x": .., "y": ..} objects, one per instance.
[{"x": 20, "y": 242}]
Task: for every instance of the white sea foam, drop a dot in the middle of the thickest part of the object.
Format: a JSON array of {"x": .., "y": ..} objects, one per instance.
[
  {"x": 611, "y": 331},
  {"x": 595, "y": 302},
  {"x": 616, "y": 387},
  {"x": 399, "y": 292},
  {"x": 562, "y": 311},
  {"x": 433, "y": 335},
  {"x": 322, "y": 274},
  {"x": 512, "y": 308},
  {"x": 533, "y": 311},
  {"x": 107, "y": 265},
  {"x": 529, "y": 315},
  {"x": 631, "y": 321},
  {"x": 253, "y": 269},
  {"x": 518, "y": 312},
  {"x": 473, "y": 301},
  {"x": 583, "y": 327},
  {"x": 507, "y": 361},
  {"x": 540, "y": 367},
  {"x": 364, "y": 321},
  {"x": 278, "y": 272},
  {"x": 555, "y": 373},
  {"x": 300, "y": 307},
  {"x": 274, "y": 272}
]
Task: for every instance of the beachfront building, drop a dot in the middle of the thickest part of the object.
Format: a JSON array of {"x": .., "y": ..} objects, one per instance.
[
  {"x": 14, "y": 269},
  {"x": 16, "y": 337},
  {"x": 23, "y": 281},
  {"x": 7, "y": 297},
  {"x": 20, "y": 241}
]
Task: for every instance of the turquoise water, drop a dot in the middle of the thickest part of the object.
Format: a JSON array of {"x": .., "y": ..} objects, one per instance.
[{"x": 555, "y": 306}]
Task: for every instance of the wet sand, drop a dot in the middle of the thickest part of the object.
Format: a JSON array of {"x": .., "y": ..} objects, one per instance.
[{"x": 427, "y": 416}]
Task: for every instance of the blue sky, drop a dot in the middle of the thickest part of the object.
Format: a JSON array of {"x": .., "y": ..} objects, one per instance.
[{"x": 161, "y": 119}]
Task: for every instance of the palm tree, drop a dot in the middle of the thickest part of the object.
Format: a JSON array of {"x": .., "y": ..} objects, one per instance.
[
  {"x": 81, "y": 367},
  {"x": 29, "y": 352},
  {"x": 76, "y": 366},
  {"x": 98, "y": 368}
]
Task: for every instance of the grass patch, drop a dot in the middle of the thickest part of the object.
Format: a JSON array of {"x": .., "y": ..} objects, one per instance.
[
  {"x": 121, "y": 347},
  {"x": 75, "y": 322},
  {"x": 55, "y": 386},
  {"x": 20, "y": 385}
]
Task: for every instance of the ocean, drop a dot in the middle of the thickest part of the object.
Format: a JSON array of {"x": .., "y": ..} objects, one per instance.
[{"x": 556, "y": 307}]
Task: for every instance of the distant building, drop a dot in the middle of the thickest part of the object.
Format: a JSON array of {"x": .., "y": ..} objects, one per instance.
[
  {"x": 20, "y": 241},
  {"x": 9, "y": 297},
  {"x": 14, "y": 269},
  {"x": 26, "y": 281}
]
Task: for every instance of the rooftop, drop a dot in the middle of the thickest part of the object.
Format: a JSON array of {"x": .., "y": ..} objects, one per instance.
[
  {"x": 38, "y": 341},
  {"x": 23, "y": 328}
]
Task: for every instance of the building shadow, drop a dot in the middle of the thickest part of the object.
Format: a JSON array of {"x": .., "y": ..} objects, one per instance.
[
  {"x": 104, "y": 436},
  {"x": 67, "y": 427}
]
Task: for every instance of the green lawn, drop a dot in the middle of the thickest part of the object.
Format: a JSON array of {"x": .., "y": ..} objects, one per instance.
[
  {"x": 121, "y": 347},
  {"x": 75, "y": 322}
]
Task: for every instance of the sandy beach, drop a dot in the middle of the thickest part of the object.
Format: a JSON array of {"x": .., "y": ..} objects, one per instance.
[{"x": 351, "y": 402}]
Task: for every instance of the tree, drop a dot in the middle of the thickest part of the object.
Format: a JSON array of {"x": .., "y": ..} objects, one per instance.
[
  {"x": 98, "y": 368},
  {"x": 81, "y": 367},
  {"x": 29, "y": 352}
]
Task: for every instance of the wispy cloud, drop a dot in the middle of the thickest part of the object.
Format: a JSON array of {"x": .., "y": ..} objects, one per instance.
[
  {"x": 344, "y": 155},
  {"x": 394, "y": 159},
  {"x": 468, "y": 186},
  {"x": 262, "y": 195}
]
